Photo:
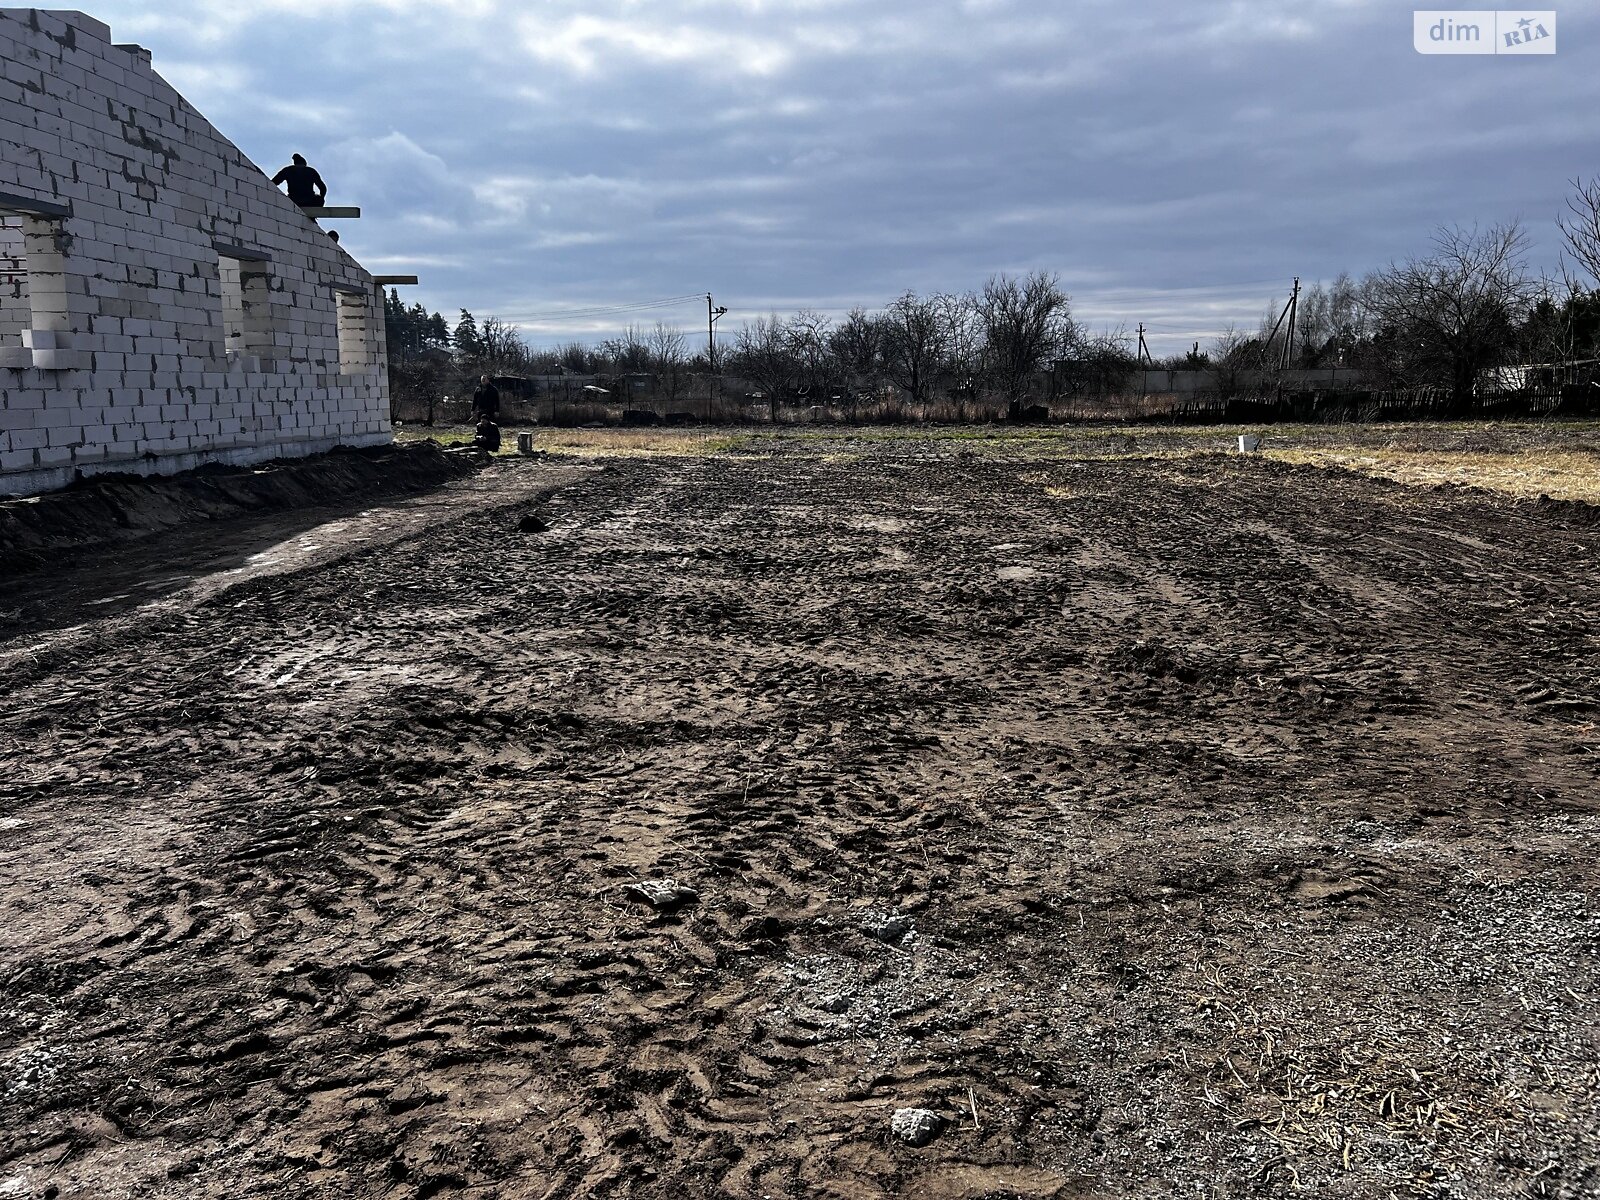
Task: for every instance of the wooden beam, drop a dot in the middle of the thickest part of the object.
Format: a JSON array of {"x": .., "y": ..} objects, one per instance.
[
  {"x": 349, "y": 289},
  {"x": 242, "y": 253},
  {"x": 393, "y": 280},
  {"x": 11, "y": 202},
  {"x": 317, "y": 212}
]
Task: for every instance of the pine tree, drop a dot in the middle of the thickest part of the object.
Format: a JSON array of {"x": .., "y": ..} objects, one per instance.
[
  {"x": 469, "y": 346},
  {"x": 438, "y": 333},
  {"x": 401, "y": 329}
]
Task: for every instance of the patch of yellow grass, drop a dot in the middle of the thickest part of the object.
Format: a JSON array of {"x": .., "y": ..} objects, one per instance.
[
  {"x": 593, "y": 443},
  {"x": 1559, "y": 474},
  {"x": 1050, "y": 488},
  {"x": 634, "y": 443}
]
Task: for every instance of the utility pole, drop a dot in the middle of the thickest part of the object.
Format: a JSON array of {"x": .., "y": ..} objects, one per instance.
[
  {"x": 713, "y": 313},
  {"x": 1288, "y": 344},
  {"x": 1273, "y": 336},
  {"x": 1144, "y": 362}
]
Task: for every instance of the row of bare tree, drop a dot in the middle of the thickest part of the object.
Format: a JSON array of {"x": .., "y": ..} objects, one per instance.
[
  {"x": 1440, "y": 318},
  {"x": 996, "y": 340},
  {"x": 1444, "y": 317}
]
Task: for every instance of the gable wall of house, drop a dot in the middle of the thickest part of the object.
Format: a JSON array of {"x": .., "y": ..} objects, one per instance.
[{"x": 162, "y": 304}]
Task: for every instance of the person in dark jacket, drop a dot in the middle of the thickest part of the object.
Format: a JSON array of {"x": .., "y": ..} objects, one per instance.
[
  {"x": 488, "y": 436},
  {"x": 305, "y": 186},
  {"x": 486, "y": 400}
]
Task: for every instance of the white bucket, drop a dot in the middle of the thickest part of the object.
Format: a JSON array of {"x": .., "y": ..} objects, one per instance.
[{"x": 1248, "y": 443}]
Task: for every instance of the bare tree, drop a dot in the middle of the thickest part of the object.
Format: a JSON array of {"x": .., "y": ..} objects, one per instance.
[
  {"x": 763, "y": 352},
  {"x": 1313, "y": 325},
  {"x": 578, "y": 359},
  {"x": 913, "y": 344},
  {"x": 1347, "y": 318},
  {"x": 1580, "y": 229},
  {"x": 669, "y": 356},
  {"x": 1328, "y": 323},
  {"x": 1026, "y": 323},
  {"x": 628, "y": 351},
  {"x": 1444, "y": 318},
  {"x": 964, "y": 344},
  {"x": 500, "y": 349},
  {"x": 416, "y": 381},
  {"x": 1102, "y": 364},
  {"x": 856, "y": 345},
  {"x": 1267, "y": 329},
  {"x": 1232, "y": 352},
  {"x": 808, "y": 339}
]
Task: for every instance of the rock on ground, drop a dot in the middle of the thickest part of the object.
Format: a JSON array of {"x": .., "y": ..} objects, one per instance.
[{"x": 916, "y": 1126}]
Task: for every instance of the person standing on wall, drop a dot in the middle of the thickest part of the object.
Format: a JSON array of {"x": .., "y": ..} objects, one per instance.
[
  {"x": 305, "y": 186},
  {"x": 486, "y": 400}
]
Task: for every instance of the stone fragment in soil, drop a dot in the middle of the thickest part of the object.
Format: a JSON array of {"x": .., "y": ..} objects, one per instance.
[
  {"x": 661, "y": 894},
  {"x": 916, "y": 1126},
  {"x": 892, "y": 929},
  {"x": 833, "y": 1004}
]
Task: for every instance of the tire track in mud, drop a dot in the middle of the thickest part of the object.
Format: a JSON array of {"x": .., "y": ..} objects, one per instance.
[{"x": 344, "y": 910}]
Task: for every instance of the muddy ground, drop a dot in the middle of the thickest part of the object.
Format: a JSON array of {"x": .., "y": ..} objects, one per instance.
[
  {"x": 1245, "y": 817},
  {"x": 44, "y": 533}
]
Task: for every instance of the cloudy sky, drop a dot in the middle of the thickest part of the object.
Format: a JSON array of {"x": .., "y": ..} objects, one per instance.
[{"x": 1175, "y": 161}]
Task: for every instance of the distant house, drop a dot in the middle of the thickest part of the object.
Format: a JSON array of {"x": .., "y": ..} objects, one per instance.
[
  {"x": 515, "y": 387},
  {"x": 1526, "y": 377}
]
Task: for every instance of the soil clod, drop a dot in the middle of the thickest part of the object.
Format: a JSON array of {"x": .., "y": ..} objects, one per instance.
[
  {"x": 664, "y": 895},
  {"x": 893, "y": 929}
]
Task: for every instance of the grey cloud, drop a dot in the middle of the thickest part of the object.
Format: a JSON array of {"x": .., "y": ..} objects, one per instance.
[{"x": 1170, "y": 157}]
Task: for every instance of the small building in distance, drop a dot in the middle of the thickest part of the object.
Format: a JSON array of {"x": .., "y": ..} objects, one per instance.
[{"x": 162, "y": 304}]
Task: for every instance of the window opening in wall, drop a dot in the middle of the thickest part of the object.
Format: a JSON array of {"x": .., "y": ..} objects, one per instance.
[
  {"x": 35, "y": 327},
  {"x": 249, "y": 332},
  {"x": 357, "y": 353},
  {"x": 232, "y": 307}
]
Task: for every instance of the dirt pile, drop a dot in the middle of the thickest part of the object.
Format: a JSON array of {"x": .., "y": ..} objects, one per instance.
[{"x": 102, "y": 508}]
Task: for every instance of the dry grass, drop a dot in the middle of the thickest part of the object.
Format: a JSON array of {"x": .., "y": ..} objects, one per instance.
[
  {"x": 634, "y": 443},
  {"x": 1550, "y": 471},
  {"x": 592, "y": 443},
  {"x": 1559, "y": 460}
]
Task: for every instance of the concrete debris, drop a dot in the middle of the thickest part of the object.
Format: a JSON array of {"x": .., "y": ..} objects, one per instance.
[{"x": 916, "y": 1126}]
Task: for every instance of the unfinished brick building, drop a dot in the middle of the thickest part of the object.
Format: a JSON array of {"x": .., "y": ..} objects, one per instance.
[{"x": 162, "y": 304}]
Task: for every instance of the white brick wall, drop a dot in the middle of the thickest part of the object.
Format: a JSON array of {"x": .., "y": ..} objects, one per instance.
[{"x": 115, "y": 355}]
